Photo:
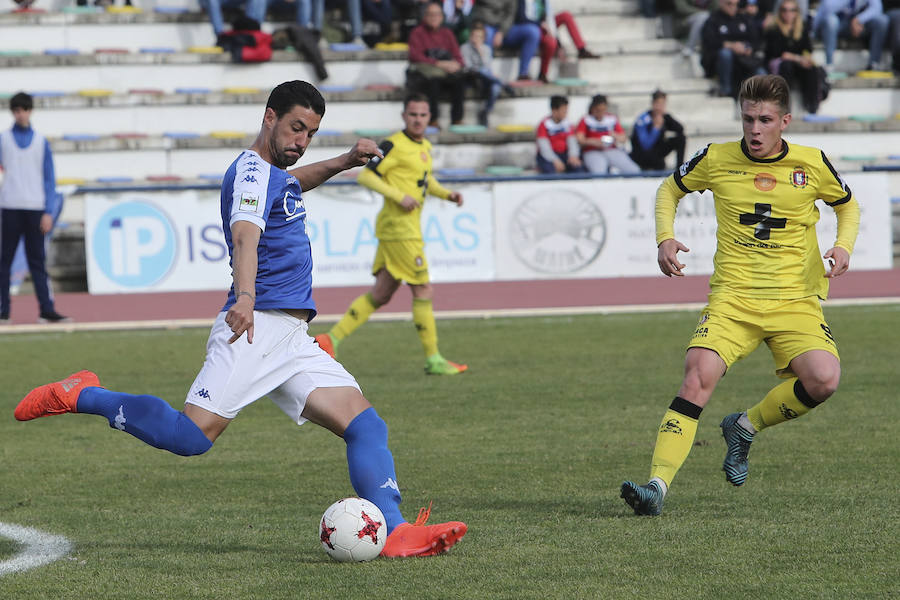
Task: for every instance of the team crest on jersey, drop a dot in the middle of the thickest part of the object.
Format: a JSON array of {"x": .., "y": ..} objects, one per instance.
[
  {"x": 799, "y": 179},
  {"x": 424, "y": 156},
  {"x": 249, "y": 202},
  {"x": 764, "y": 182}
]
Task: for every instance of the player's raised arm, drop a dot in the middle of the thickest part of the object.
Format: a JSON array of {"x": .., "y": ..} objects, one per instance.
[
  {"x": 313, "y": 175},
  {"x": 667, "y": 197}
]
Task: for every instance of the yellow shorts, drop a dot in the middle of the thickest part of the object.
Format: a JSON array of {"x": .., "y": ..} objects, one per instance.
[
  {"x": 403, "y": 259},
  {"x": 734, "y": 327}
]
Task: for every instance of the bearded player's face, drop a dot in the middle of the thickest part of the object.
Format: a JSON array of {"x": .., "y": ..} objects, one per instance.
[{"x": 290, "y": 135}]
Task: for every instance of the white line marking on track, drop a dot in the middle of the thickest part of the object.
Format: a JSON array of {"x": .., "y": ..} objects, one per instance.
[{"x": 39, "y": 548}]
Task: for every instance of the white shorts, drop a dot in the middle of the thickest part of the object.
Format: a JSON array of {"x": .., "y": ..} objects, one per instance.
[{"x": 283, "y": 362}]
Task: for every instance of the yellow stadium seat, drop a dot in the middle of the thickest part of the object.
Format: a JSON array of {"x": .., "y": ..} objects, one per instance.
[
  {"x": 205, "y": 50},
  {"x": 95, "y": 93},
  {"x": 70, "y": 180},
  {"x": 241, "y": 90},
  {"x": 227, "y": 135},
  {"x": 513, "y": 128}
]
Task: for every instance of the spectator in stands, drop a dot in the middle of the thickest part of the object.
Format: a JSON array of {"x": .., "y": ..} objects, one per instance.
[
  {"x": 477, "y": 58},
  {"x": 436, "y": 64},
  {"x": 788, "y": 52},
  {"x": 655, "y": 135},
  {"x": 253, "y": 9},
  {"x": 892, "y": 10},
  {"x": 537, "y": 12},
  {"x": 730, "y": 43},
  {"x": 28, "y": 201},
  {"x": 602, "y": 139},
  {"x": 851, "y": 19},
  {"x": 691, "y": 15},
  {"x": 458, "y": 17},
  {"x": 311, "y": 14},
  {"x": 557, "y": 147},
  {"x": 507, "y": 28}
]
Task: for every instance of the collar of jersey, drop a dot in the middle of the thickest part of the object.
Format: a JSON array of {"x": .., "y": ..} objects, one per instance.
[
  {"x": 782, "y": 154},
  {"x": 410, "y": 139}
]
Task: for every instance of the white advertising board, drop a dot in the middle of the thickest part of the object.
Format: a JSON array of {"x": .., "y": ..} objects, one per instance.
[
  {"x": 606, "y": 228},
  {"x": 173, "y": 241}
]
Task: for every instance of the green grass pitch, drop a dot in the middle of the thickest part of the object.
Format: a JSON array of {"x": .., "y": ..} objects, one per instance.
[{"x": 529, "y": 448}]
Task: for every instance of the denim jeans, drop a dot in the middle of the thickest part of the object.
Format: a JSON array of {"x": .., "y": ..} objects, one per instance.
[
  {"x": 525, "y": 37},
  {"x": 255, "y": 9},
  {"x": 832, "y": 27}
]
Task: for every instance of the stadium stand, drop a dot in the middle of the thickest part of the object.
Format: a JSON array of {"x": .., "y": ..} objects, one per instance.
[{"x": 139, "y": 97}]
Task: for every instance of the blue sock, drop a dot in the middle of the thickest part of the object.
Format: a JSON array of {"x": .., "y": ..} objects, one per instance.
[
  {"x": 372, "y": 466},
  {"x": 148, "y": 418}
]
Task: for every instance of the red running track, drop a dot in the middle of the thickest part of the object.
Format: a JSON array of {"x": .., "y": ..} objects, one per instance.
[{"x": 492, "y": 296}]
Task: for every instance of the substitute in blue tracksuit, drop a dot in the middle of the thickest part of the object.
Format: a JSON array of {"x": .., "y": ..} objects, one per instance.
[{"x": 28, "y": 201}]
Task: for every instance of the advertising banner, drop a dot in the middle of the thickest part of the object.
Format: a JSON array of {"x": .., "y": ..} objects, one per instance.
[{"x": 606, "y": 228}]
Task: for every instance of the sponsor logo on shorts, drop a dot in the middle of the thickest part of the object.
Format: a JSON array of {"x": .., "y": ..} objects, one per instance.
[{"x": 202, "y": 393}]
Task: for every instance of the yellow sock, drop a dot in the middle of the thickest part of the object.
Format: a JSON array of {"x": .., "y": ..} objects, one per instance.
[
  {"x": 423, "y": 319},
  {"x": 359, "y": 312},
  {"x": 674, "y": 440},
  {"x": 785, "y": 401}
]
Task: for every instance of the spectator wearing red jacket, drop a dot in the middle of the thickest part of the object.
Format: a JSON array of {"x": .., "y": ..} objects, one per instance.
[
  {"x": 436, "y": 64},
  {"x": 602, "y": 140},
  {"x": 557, "y": 146}
]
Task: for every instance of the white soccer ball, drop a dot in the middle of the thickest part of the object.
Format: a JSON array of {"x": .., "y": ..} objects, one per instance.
[{"x": 352, "y": 529}]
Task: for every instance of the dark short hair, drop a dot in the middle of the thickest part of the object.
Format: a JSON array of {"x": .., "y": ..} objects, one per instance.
[
  {"x": 414, "y": 97},
  {"x": 767, "y": 88},
  {"x": 477, "y": 26},
  {"x": 598, "y": 99},
  {"x": 658, "y": 95},
  {"x": 557, "y": 101},
  {"x": 21, "y": 100},
  {"x": 289, "y": 94}
]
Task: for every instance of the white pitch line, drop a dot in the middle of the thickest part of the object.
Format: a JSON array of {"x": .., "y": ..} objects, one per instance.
[
  {"x": 481, "y": 313},
  {"x": 39, "y": 548}
]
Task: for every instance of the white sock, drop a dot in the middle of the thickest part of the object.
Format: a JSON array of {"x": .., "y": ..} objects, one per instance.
[
  {"x": 744, "y": 422},
  {"x": 662, "y": 485}
]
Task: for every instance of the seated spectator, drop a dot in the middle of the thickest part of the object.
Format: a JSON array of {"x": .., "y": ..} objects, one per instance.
[
  {"x": 504, "y": 30},
  {"x": 656, "y": 133},
  {"x": 477, "y": 58},
  {"x": 601, "y": 138},
  {"x": 788, "y": 52},
  {"x": 436, "y": 64},
  {"x": 536, "y": 11},
  {"x": 382, "y": 13},
  {"x": 730, "y": 43},
  {"x": 557, "y": 147},
  {"x": 253, "y": 9},
  {"x": 851, "y": 19},
  {"x": 458, "y": 17},
  {"x": 311, "y": 14},
  {"x": 892, "y": 10},
  {"x": 690, "y": 15}
]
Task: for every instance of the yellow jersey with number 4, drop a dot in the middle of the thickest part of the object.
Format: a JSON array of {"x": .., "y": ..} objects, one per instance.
[
  {"x": 766, "y": 245},
  {"x": 405, "y": 170}
]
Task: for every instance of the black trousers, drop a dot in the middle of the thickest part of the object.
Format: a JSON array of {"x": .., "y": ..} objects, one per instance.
[
  {"x": 15, "y": 225},
  {"x": 654, "y": 159},
  {"x": 453, "y": 84}
]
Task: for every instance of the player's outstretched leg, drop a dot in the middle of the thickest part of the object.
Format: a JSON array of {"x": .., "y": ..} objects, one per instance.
[
  {"x": 738, "y": 442},
  {"x": 148, "y": 418},
  {"x": 646, "y": 500},
  {"x": 419, "y": 539}
]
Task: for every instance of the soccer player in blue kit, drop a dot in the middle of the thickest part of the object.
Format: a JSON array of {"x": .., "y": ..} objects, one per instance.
[{"x": 259, "y": 344}]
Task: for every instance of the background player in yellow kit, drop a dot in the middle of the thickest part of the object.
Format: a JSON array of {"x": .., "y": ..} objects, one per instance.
[
  {"x": 403, "y": 176},
  {"x": 766, "y": 285}
]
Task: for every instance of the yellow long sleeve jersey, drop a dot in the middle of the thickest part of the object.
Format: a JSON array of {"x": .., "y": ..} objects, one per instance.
[
  {"x": 766, "y": 245},
  {"x": 405, "y": 170}
]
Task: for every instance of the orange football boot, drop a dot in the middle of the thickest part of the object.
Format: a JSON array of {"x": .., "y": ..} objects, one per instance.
[
  {"x": 419, "y": 539},
  {"x": 55, "y": 398},
  {"x": 326, "y": 343}
]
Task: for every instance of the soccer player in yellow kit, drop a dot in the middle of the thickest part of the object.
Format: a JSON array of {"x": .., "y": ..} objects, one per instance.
[
  {"x": 403, "y": 176},
  {"x": 766, "y": 285}
]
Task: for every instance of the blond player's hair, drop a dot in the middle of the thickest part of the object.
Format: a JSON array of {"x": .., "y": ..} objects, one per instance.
[{"x": 767, "y": 88}]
